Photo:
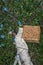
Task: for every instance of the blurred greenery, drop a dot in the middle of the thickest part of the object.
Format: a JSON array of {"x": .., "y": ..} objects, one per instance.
[{"x": 29, "y": 12}]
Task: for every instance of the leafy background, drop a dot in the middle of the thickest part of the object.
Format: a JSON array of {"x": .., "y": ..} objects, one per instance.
[{"x": 29, "y": 12}]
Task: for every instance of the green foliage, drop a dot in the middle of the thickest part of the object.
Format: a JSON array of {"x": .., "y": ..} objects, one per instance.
[{"x": 29, "y": 12}]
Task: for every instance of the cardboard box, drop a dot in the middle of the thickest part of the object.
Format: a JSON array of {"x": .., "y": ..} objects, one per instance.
[{"x": 31, "y": 33}]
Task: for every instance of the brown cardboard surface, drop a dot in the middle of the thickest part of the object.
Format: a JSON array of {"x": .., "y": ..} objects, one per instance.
[{"x": 31, "y": 33}]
